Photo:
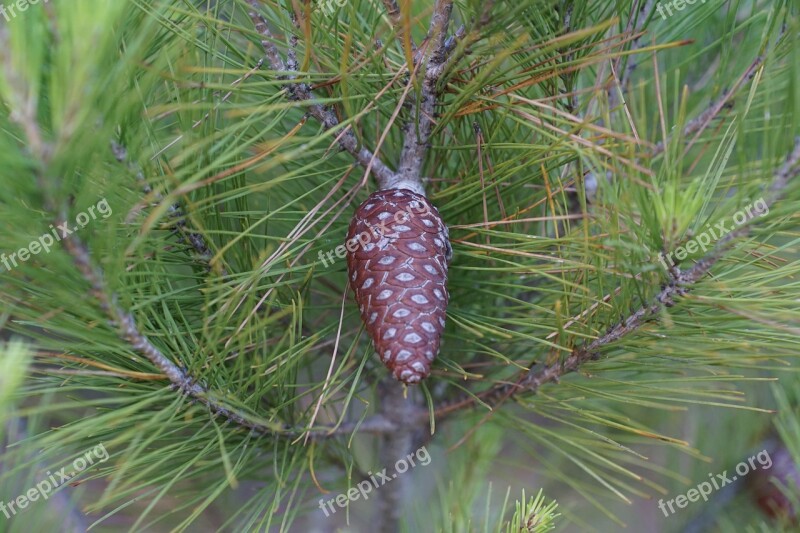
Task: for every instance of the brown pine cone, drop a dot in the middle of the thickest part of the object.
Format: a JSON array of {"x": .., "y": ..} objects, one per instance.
[{"x": 398, "y": 249}]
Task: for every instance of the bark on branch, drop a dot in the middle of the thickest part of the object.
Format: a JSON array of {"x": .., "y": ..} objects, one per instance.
[
  {"x": 399, "y": 25},
  {"x": 430, "y": 59}
]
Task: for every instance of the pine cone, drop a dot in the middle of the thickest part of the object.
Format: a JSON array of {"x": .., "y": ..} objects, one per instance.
[{"x": 398, "y": 249}]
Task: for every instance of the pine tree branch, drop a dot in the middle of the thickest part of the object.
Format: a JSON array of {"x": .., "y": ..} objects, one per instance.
[
  {"x": 301, "y": 92},
  {"x": 697, "y": 125},
  {"x": 393, "y": 10},
  {"x": 194, "y": 240},
  {"x": 431, "y": 59},
  {"x": 126, "y": 326},
  {"x": 679, "y": 285},
  {"x": 268, "y": 40},
  {"x": 467, "y": 39},
  {"x": 640, "y": 14},
  {"x": 396, "y": 18},
  {"x": 398, "y": 409},
  {"x": 123, "y": 321}
]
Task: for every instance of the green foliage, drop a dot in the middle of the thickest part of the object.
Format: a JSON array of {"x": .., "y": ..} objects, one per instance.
[
  {"x": 534, "y": 516},
  {"x": 543, "y": 263},
  {"x": 13, "y": 367}
]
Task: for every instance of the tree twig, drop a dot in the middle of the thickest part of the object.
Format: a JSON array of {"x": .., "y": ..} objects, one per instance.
[
  {"x": 533, "y": 379},
  {"x": 127, "y": 330},
  {"x": 468, "y": 38},
  {"x": 302, "y": 93},
  {"x": 639, "y": 16},
  {"x": 400, "y": 410},
  {"x": 126, "y": 326},
  {"x": 396, "y": 17},
  {"x": 697, "y": 125},
  {"x": 194, "y": 240},
  {"x": 431, "y": 57}
]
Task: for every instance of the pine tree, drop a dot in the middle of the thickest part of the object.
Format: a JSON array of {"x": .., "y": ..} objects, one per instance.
[{"x": 618, "y": 181}]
